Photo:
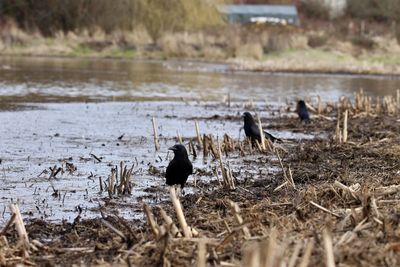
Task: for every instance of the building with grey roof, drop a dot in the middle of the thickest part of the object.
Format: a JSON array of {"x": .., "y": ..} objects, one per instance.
[{"x": 277, "y": 14}]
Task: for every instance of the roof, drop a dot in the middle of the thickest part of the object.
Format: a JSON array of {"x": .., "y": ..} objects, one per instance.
[{"x": 289, "y": 10}]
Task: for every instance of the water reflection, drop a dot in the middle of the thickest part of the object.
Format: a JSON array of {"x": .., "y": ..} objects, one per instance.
[{"x": 48, "y": 79}]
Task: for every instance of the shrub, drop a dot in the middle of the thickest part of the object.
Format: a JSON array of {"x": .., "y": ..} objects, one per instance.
[
  {"x": 157, "y": 16},
  {"x": 380, "y": 10},
  {"x": 317, "y": 40},
  {"x": 363, "y": 41},
  {"x": 315, "y": 9}
]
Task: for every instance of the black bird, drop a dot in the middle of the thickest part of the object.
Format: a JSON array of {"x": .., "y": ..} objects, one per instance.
[
  {"x": 180, "y": 166},
  {"x": 302, "y": 111},
  {"x": 253, "y": 132}
]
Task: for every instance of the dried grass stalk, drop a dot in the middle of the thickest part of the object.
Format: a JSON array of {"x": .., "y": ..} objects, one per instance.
[
  {"x": 156, "y": 144},
  {"x": 201, "y": 253},
  {"x": 324, "y": 209},
  {"x": 288, "y": 179},
  {"x": 151, "y": 220},
  {"x": 261, "y": 134},
  {"x": 199, "y": 141},
  {"x": 338, "y": 132},
  {"x": 21, "y": 230},
  {"x": 330, "y": 261},
  {"x": 226, "y": 173},
  {"x": 346, "y": 113},
  {"x": 8, "y": 224},
  {"x": 319, "y": 105},
  {"x": 170, "y": 223},
  {"x": 307, "y": 254},
  {"x": 236, "y": 211},
  {"x": 295, "y": 254},
  {"x": 179, "y": 213}
]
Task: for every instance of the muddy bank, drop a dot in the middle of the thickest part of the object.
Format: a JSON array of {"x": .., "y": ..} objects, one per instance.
[{"x": 323, "y": 194}]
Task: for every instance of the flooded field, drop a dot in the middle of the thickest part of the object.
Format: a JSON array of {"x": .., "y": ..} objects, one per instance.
[
  {"x": 41, "y": 128},
  {"x": 63, "y": 79},
  {"x": 83, "y": 117}
]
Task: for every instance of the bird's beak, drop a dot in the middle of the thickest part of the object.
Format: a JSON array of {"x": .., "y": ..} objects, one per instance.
[{"x": 172, "y": 148}]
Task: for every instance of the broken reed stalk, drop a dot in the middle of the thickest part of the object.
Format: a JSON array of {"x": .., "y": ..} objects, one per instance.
[
  {"x": 179, "y": 137},
  {"x": 236, "y": 211},
  {"x": 287, "y": 179},
  {"x": 330, "y": 261},
  {"x": 170, "y": 223},
  {"x": 115, "y": 230},
  {"x": 110, "y": 188},
  {"x": 193, "y": 148},
  {"x": 346, "y": 113},
  {"x": 346, "y": 189},
  {"x": 101, "y": 184},
  {"x": 179, "y": 213},
  {"x": 324, "y": 209},
  {"x": 261, "y": 134},
  {"x": 398, "y": 99},
  {"x": 201, "y": 253},
  {"x": 295, "y": 254},
  {"x": 226, "y": 175},
  {"x": 311, "y": 108},
  {"x": 150, "y": 220},
  {"x": 156, "y": 144},
  {"x": 20, "y": 227},
  {"x": 274, "y": 253},
  {"x": 319, "y": 105},
  {"x": 378, "y": 107},
  {"x": 125, "y": 186},
  {"x": 8, "y": 224},
  {"x": 307, "y": 254},
  {"x": 338, "y": 132},
  {"x": 212, "y": 147},
  {"x": 119, "y": 182},
  {"x": 259, "y": 146},
  {"x": 205, "y": 147},
  {"x": 198, "y": 133},
  {"x": 251, "y": 257}
]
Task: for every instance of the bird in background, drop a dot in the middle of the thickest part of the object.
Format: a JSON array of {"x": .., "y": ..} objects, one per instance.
[
  {"x": 252, "y": 130},
  {"x": 302, "y": 111},
  {"x": 179, "y": 168}
]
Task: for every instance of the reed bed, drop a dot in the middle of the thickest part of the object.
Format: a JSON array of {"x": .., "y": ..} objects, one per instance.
[{"x": 334, "y": 201}]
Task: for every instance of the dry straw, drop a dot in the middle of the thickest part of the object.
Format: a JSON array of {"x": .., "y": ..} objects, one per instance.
[{"x": 156, "y": 144}]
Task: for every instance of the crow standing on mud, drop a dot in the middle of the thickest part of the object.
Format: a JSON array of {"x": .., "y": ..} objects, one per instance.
[
  {"x": 180, "y": 166},
  {"x": 302, "y": 111},
  {"x": 253, "y": 132}
]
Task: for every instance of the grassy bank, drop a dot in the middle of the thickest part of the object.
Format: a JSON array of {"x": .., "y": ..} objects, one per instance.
[
  {"x": 364, "y": 39},
  {"x": 321, "y": 49}
]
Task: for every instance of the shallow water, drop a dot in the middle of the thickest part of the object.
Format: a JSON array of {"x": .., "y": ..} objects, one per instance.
[
  {"x": 49, "y": 79},
  {"x": 58, "y": 118}
]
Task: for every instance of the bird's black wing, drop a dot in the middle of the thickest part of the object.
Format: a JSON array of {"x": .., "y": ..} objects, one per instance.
[
  {"x": 187, "y": 170},
  {"x": 255, "y": 130}
]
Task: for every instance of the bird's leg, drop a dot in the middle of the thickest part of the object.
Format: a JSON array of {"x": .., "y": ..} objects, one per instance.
[{"x": 178, "y": 190}]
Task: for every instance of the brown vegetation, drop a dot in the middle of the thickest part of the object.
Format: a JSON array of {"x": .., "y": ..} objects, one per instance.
[
  {"x": 332, "y": 203},
  {"x": 195, "y": 30},
  {"x": 157, "y": 16}
]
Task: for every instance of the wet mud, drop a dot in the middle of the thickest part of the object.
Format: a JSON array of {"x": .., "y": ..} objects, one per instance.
[
  {"x": 288, "y": 196},
  {"x": 311, "y": 199}
]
